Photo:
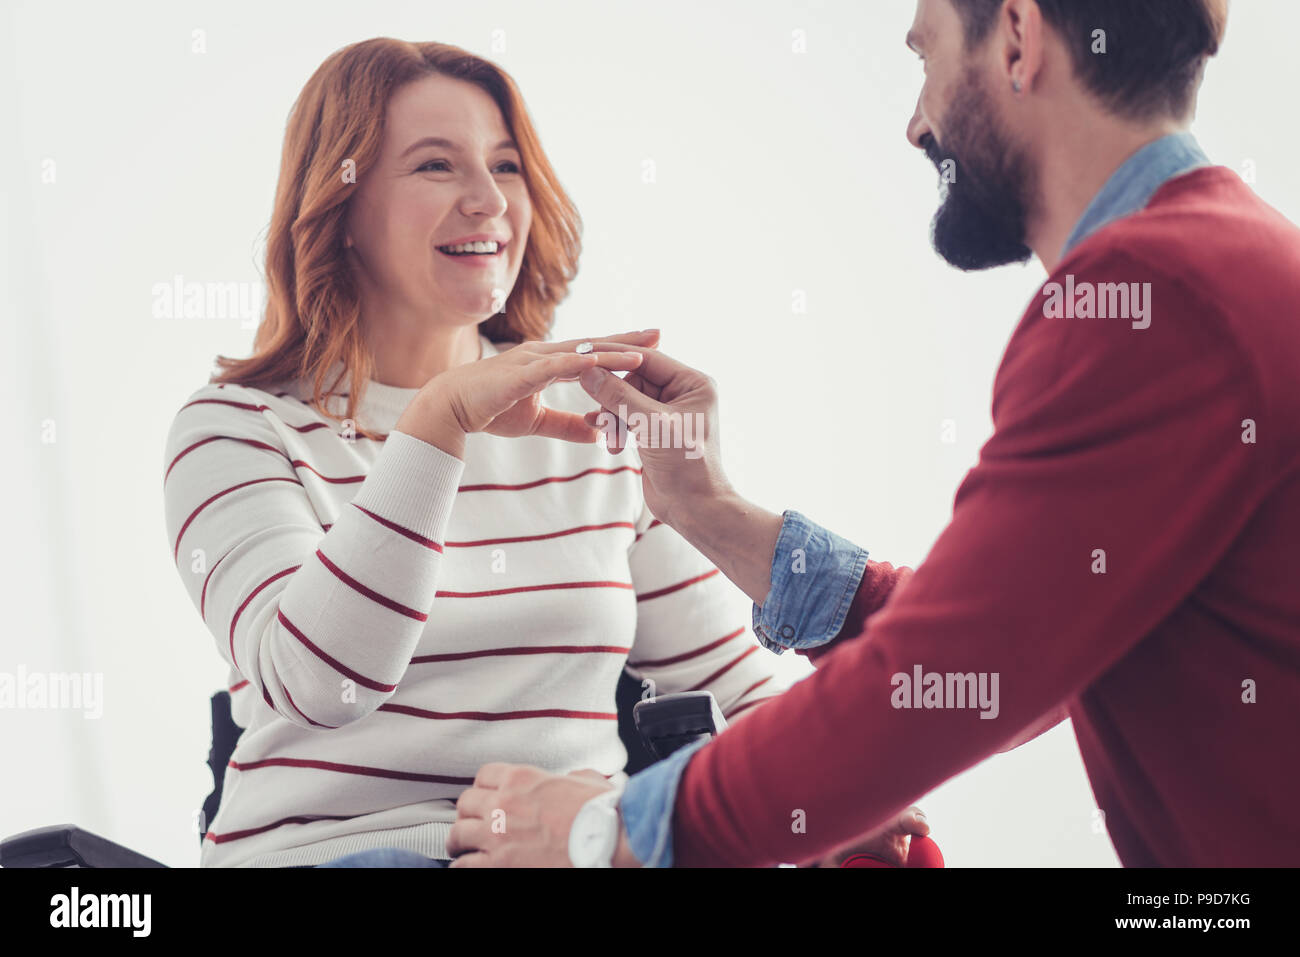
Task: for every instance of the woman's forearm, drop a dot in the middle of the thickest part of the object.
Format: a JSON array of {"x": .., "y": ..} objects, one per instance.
[{"x": 736, "y": 535}]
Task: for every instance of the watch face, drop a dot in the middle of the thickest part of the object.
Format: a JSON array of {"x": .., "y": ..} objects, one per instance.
[{"x": 594, "y": 836}]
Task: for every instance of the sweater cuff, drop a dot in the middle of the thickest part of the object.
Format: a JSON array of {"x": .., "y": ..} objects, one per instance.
[{"x": 412, "y": 484}]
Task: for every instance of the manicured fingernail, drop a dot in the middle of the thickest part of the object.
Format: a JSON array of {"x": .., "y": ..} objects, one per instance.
[
  {"x": 648, "y": 332},
  {"x": 591, "y": 378}
]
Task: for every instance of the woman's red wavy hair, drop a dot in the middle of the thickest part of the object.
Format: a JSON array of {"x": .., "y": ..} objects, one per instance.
[{"x": 313, "y": 307}]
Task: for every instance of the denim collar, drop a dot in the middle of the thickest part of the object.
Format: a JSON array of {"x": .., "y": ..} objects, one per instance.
[{"x": 1132, "y": 185}]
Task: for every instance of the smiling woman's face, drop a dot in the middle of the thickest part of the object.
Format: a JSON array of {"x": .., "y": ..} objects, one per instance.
[{"x": 447, "y": 173}]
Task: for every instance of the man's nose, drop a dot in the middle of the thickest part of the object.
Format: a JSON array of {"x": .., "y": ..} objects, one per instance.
[{"x": 917, "y": 127}]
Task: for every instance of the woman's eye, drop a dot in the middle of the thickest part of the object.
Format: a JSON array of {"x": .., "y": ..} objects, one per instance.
[{"x": 505, "y": 166}]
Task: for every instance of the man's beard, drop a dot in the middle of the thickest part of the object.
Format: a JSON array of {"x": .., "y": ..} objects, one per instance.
[{"x": 981, "y": 223}]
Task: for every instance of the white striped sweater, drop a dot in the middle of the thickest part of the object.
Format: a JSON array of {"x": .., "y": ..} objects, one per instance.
[{"x": 393, "y": 617}]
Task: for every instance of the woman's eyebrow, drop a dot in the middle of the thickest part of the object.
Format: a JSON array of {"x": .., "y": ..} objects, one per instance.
[{"x": 506, "y": 144}]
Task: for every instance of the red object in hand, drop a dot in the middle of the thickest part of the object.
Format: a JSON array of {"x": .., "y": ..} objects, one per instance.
[{"x": 922, "y": 852}]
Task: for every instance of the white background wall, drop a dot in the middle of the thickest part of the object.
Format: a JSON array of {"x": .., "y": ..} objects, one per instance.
[{"x": 776, "y": 172}]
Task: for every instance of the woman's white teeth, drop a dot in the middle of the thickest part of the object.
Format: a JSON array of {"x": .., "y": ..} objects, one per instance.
[{"x": 489, "y": 247}]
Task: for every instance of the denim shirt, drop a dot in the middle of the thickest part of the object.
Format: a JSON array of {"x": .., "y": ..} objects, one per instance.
[{"x": 816, "y": 574}]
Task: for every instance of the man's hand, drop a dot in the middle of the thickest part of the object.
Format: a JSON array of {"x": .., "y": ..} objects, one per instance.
[
  {"x": 680, "y": 405},
  {"x": 516, "y": 815},
  {"x": 682, "y": 478},
  {"x": 889, "y": 842}
]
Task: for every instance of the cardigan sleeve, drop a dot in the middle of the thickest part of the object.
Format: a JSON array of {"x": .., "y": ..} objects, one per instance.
[
  {"x": 321, "y": 623},
  {"x": 1114, "y": 481}
]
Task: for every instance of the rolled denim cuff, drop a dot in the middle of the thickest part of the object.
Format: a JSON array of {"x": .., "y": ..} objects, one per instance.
[
  {"x": 815, "y": 574},
  {"x": 647, "y": 806}
]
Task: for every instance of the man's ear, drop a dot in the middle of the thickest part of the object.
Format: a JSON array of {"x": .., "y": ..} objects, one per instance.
[{"x": 1018, "y": 38}]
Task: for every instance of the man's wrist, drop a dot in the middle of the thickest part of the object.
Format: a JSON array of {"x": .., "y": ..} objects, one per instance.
[
  {"x": 623, "y": 856},
  {"x": 736, "y": 535}
]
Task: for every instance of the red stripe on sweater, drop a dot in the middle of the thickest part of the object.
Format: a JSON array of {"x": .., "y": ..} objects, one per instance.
[
  {"x": 724, "y": 669},
  {"x": 216, "y": 838},
  {"x": 672, "y": 588},
  {"x": 545, "y": 481},
  {"x": 203, "y": 595},
  {"x": 249, "y": 406},
  {"x": 216, "y": 438},
  {"x": 523, "y": 588},
  {"x": 296, "y": 463},
  {"x": 496, "y": 715},
  {"x": 757, "y": 684},
  {"x": 647, "y": 528},
  {"x": 333, "y": 662},
  {"x": 240, "y": 610},
  {"x": 524, "y": 650},
  {"x": 687, "y": 655},
  {"x": 237, "y": 685},
  {"x": 400, "y": 529},
  {"x": 331, "y": 727},
  {"x": 748, "y": 705},
  {"x": 361, "y": 769},
  {"x": 194, "y": 514},
  {"x": 342, "y": 480},
  {"x": 370, "y": 593},
  {"x": 537, "y": 538}
]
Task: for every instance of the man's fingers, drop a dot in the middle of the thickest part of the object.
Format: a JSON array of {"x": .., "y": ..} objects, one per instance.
[
  {"x": 589, "y": 773},
  {"x": 475, "y": 802},
  {"x": 477, "y": 859},
  {"x": 468, "y": 834},
  {"x": 492, "y": 774},
  {"x": 912, "y": 821},
  {"x": 656, "y": 368},
  {"x": 612, "y": 392}
]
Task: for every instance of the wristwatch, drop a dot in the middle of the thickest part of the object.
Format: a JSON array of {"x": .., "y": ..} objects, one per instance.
[{"x": 593, "y": 838}]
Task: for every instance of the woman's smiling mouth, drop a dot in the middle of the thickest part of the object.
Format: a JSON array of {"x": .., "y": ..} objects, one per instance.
[{"x": 475, "y": 252}]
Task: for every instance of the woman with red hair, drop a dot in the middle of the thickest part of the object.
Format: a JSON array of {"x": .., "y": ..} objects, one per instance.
[{"x": 392, "y": 517}]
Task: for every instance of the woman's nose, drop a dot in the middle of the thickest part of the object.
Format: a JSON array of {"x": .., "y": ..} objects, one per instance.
[{"x": 482, "y": 197}]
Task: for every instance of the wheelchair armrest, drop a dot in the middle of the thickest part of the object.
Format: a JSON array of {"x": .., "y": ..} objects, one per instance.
[
  {"x": 64, "y": 845},
  {"x": 671, "y": 721}
]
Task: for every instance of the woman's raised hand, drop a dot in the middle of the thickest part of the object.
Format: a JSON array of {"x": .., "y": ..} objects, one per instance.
[{"x": 499, "y": 394}]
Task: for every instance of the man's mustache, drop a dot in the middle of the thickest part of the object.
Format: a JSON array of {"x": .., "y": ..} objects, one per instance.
[{"x": 934, "y": 152}]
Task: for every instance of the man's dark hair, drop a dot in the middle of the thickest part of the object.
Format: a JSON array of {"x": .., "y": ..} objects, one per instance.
[{"x": 1155, "y": 49}]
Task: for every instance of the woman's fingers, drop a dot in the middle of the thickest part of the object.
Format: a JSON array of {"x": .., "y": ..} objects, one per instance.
[
  {"x": 569, "y": 426},
  {"x": 539, "y": 371},
  {"x": 656, "y": 368},
  {"x": 648, "y": 338}
]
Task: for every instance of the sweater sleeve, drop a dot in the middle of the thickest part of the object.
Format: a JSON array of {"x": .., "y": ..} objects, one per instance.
[
  {"x": 1116, "y": 478},
  {"x": 879, "y": 582},
  {"x": 322, "y": 624},
  {"x": 689, "y": 636}
]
